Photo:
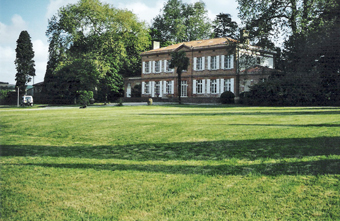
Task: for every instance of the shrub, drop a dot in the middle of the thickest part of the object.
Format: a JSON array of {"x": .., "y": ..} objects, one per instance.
[
  {"x": 84, "y": 97},
  {"x": 227, "y": 97}
]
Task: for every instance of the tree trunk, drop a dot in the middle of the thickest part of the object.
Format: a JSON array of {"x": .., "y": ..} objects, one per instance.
[{"x": 179, "y": 87}]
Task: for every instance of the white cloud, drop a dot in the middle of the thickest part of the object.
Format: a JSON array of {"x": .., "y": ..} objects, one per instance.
[
  {"x": 143, "y": 12},
  {"x": 11, "y": 32},
  {"x": 40, "y": 57},
  {"x": 54, "y": 6},
  {"x": 7, "y": 67},
  {"x": 8, "y": 37}
]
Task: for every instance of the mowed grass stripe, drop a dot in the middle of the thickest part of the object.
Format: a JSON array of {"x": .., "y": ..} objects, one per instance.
[{"x": 170, "y": 163}]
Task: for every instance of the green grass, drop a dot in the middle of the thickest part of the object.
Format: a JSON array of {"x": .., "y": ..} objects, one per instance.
[{"x": 170, "y": 163}]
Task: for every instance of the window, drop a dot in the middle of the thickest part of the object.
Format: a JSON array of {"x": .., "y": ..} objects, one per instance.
[
  {"x": 157, "y": 67},
  {"x": 199, "y": 63},
  {"x": 199, "y": 87},
  {"x": 227, "y": 85},
  {"x": 147, "y": 88},
  {"x": 213, "y": 63},
  {"x": 184, "y": 88},
  {"x": 213, "y": 86},
  {"x": 167, "y": 68},
  {"x": 228, "y": 62},
  {"x": 169, "y": 87},
  {"x": 158, "y": 88},
  {"x": 146, "y": 67}
]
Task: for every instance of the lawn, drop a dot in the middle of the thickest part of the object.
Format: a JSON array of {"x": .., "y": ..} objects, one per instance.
[{"x": 170, "y": 163}]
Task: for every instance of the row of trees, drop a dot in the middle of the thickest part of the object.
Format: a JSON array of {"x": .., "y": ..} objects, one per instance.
[
  {"x": 310, "y": 59},
  {"x": 93, "y": 45}
]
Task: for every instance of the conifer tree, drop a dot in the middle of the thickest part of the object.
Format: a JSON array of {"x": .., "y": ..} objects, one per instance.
[{"x": 24, "y": 62}]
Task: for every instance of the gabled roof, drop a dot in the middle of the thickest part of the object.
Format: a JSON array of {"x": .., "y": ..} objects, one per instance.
[{"x": 193, "y": 44}]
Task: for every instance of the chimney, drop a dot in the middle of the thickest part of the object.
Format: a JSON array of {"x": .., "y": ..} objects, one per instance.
[{"x": 155, "y": 45}]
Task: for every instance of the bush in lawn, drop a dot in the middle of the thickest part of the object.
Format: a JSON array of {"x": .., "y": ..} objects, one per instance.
[
  {"x": 85, "y": 97},
  {"x": 227, "y": 97}
]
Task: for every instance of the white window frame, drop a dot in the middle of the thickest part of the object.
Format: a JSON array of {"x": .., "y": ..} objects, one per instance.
[
  {"x": 147, "y": 87},
  {"x": 146, "y": 67},
  {"x": 199, "y": 86},
  {"x": 157, "y": 66},
  {"x": 199, "y": 63},
  {"x": 227, "y": 61},
  {"x": 169, "y": 87},
  {"x": 184, "y": 88},
  {"x": 214, "y": 63},
  {"x": 229, "y": 85},
  {"x": 214, "y": 86}
]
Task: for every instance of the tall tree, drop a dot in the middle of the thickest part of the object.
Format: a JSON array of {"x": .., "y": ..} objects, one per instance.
[
  {"x": 105, "y": 38},
  {"x": 24, "y": 61},
  {"x": 224, "y": 26},
  {"x": 181, "y": 62},
  {"x": 179, "y": 22}
]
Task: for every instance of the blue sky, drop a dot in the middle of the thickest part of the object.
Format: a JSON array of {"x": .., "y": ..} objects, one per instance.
[{"x": 33, "y": 15}]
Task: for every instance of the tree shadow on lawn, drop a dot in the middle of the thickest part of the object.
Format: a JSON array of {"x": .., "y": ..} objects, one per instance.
[
  {"x": 207, "y": 150},
  {"x": 311, "y": 112},
  {"x": 321, "y": 167}
]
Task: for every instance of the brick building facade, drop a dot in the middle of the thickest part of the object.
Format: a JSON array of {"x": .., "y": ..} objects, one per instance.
[{"x": 216, "y": 65}]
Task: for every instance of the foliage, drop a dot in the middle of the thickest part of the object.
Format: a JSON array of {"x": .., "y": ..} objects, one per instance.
[
  {"x": 170, "y": 163},
  {"x": 85, "y": 97},
  {"x": 181, "y": 22},
  {"x": 24, "y": 62},
  {"x": 311, "y": 50},
  {"x": 106, "y": 38},
  {"x": 227, "y": 97},
  {"x": 181, "y": 62},
  {"x": 224, "y": 27}
]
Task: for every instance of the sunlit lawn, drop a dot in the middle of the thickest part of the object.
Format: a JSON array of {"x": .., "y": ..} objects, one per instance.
[{"x": 170, "y": 163}]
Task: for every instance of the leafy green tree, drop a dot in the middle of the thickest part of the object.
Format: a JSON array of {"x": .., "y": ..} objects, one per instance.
[
  {"x": 180, "y": 22},
  {"x": 106, "y": 39},
  {"x": 181, "y": 62},
  {"x": 24, "y": 61},
  {"x": 224, "y": 26}
]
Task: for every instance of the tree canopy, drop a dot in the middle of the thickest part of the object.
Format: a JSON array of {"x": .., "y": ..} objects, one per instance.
[
  {"x": 180, "y": 22},
  {"x": 224, "y": 26},
  {"x": 92, "y": 41},
  {"x": 24, "y": 62}
]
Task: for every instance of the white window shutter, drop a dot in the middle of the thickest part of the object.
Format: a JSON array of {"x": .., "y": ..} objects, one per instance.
[
  {"x": 194, "y": 86},
  {"x": 164, "y": 87},
  {"x": 203, "y": 86},
  {"x": 217, "y": 86},
  {"x": 217, "y": 62},
  {"x": 209, "y": 62},
  {"x": 203, "y": 63},
  {"x": 153, "y": 66},
  {"x": 231, "y": 61},
  {"x": 222, "y": 85},
  {"x": 165, "y": 65},
  {"x": 195, "y": 62},
  {"x": 222, "y": 62},
  {"x": 152, "y": 88},
  {"x": 208, "y": 86},
  {"x": 143, "y": 67},
  {"x": 143, "y": 87},
  {"x": 172, "y": 87},
  {"x": 160, "y": 89},
  {"x": 160, "y": 66},
  {"x": 232, "y": 85}
]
